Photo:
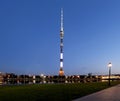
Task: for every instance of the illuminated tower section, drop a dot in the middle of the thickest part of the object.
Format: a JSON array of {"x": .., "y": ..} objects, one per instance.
[{"x": 61, "y": 72}]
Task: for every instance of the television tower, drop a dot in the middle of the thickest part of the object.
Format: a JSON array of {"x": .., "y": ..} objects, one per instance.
[{"x": 61, "y": 72}]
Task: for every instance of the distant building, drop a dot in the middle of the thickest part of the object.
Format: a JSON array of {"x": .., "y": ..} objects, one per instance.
[
  {"x": 112, "y": 77},
  {"x": 1, "y": 78}
]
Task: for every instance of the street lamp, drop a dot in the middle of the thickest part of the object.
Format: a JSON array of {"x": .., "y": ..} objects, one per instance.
[{"x": 109, "y": 66}]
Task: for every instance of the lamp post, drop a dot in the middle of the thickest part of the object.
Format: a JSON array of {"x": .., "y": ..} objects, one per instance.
[{"x": 109, "y": 66}]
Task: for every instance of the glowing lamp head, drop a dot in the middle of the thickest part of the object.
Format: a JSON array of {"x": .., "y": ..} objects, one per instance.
[{"x": 109, "y": 64}]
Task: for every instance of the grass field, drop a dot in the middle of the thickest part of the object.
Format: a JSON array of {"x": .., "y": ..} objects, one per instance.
[{"x": 50, "y": 92}]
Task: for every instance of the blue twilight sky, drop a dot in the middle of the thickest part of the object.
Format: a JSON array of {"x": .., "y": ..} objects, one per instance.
[{"x": 29, "y": 36}]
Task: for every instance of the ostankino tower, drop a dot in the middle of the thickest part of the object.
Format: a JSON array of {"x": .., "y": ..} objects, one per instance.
[{"x": 61, "y": 72}]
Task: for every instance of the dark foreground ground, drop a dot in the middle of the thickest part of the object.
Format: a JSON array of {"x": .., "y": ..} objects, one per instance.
[{"x": 50, "y": 92}]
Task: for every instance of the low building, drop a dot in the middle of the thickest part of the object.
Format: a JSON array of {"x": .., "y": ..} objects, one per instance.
[
  {"x": 113, "y": 77},
  {"x": 1, "y": 78}
]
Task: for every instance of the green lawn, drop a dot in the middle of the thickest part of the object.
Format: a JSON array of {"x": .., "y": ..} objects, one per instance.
[{"x": 50, "y": 92}]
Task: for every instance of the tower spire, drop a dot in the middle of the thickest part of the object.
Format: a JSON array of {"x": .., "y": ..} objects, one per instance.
[{"x": 61, "y": 19}]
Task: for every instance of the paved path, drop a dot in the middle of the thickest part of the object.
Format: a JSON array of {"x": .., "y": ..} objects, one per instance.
[{"x": 110, "y": 94}]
